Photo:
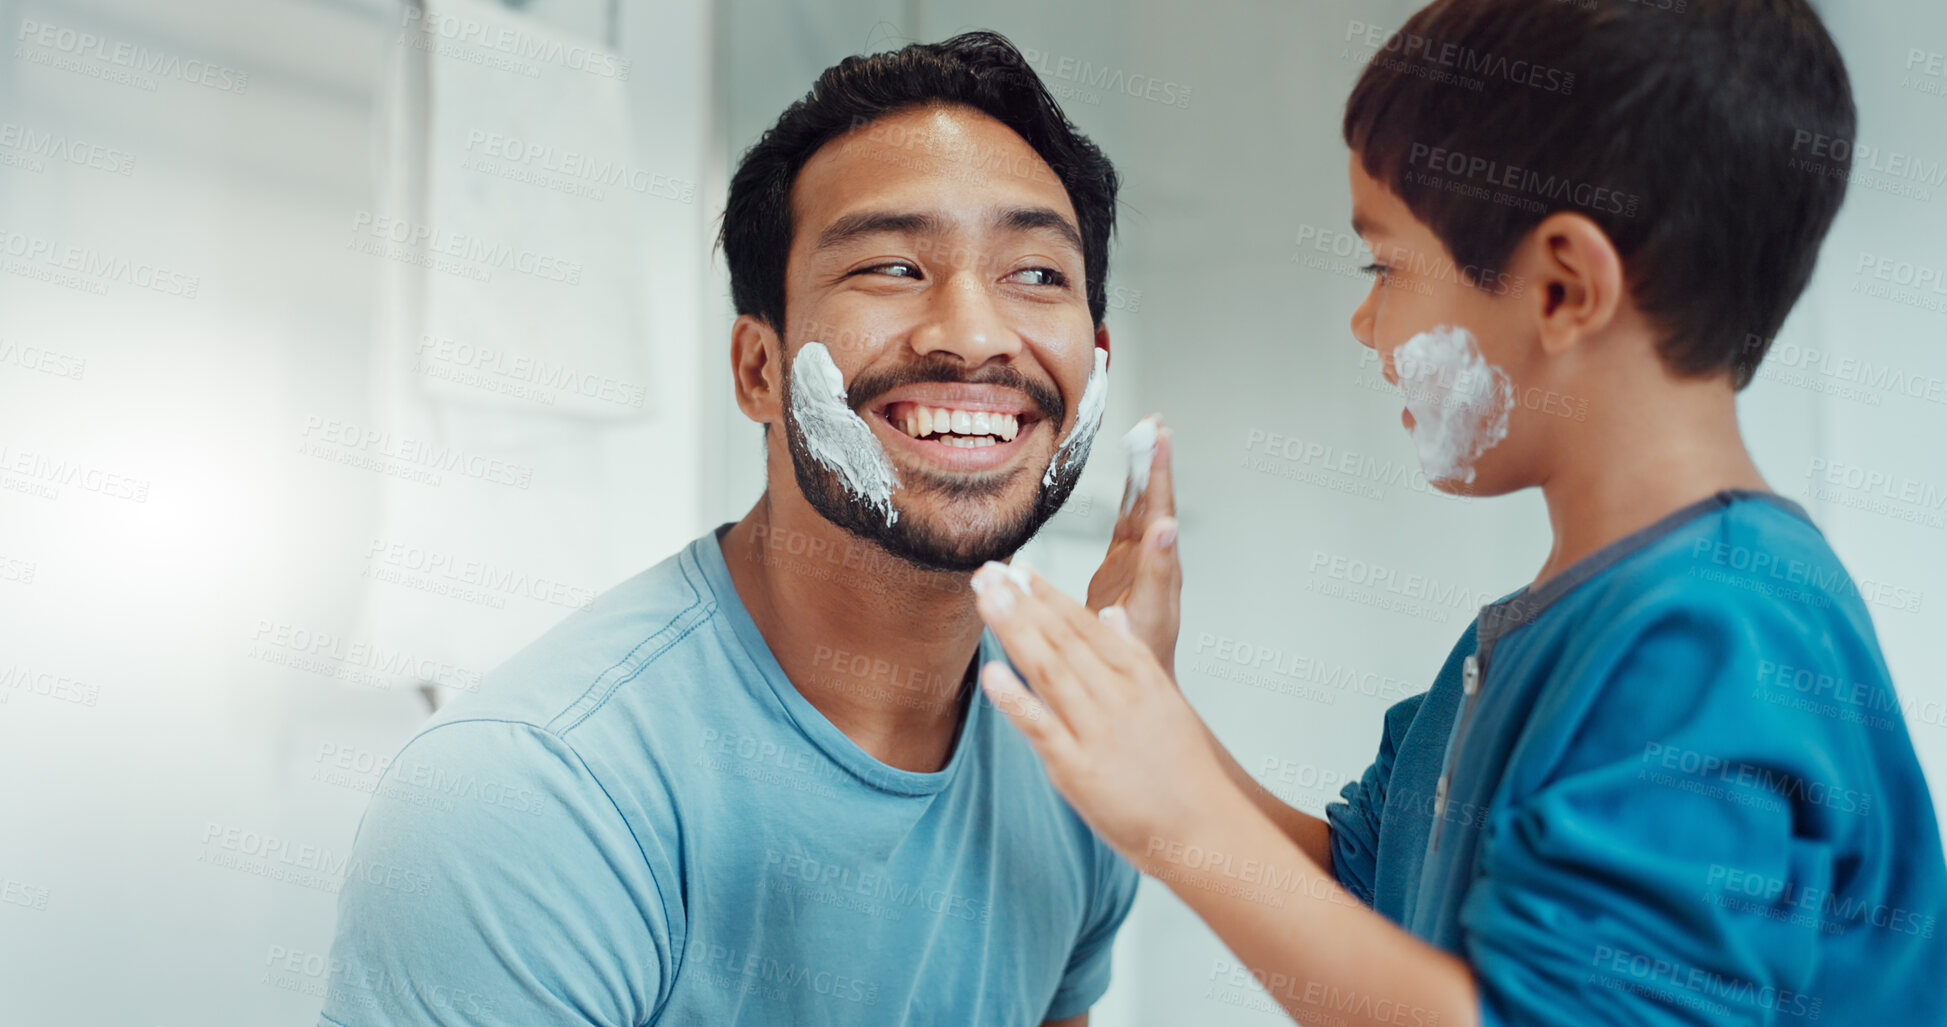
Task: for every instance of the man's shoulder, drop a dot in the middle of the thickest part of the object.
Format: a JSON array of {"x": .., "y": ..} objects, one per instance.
[
  {"x": 618, "y": 640},
  {"x": 523, "y": 737}
]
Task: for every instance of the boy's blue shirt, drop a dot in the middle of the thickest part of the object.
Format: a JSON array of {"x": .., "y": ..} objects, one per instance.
[
  {"x": 1678, "y": 790},
  {"x": 639, "y": 820}
]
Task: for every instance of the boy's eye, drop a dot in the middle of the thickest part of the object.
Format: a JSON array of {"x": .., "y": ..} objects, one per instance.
[
  {"x": 1045, "y": 276},
  {"x": 1377, "y": 270}
]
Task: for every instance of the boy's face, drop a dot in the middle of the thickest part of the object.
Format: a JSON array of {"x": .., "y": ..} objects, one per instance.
[
  {"x": 1462, "y": 353},
  {"x": 939, "y": 260}
]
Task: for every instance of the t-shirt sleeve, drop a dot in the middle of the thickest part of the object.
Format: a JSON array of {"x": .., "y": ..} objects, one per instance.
[
  {"x": 493, "y": 881},
  {"x": 1599, "y": 896},
  {"x": 1355, "y": 820},
  {"x": 1087, "y": 976}
]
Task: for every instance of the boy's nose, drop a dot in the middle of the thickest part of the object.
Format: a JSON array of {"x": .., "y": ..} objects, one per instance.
[{"x": 1362, "y": 319}]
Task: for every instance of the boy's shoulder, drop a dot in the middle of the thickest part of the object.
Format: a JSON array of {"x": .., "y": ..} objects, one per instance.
[
  {"x": 1748, "y": 558},
  {"x": 1736, "y": 631},
  {"x": 1737, "y": 616}
]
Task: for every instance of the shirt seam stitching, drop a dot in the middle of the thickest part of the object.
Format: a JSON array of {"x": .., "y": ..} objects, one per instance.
[
  {"x": 688, "y": 619},
  {"x": 1592, "y": 568}
]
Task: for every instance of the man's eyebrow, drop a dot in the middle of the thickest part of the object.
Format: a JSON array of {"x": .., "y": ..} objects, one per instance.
[
  {"x": 1012, "y": 219},
  {"x": 1025, "y": 219},
  {"x": 873, "y": 222}
]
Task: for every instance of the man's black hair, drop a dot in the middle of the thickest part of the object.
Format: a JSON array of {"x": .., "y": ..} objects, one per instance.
[
  {"x": 978, "y": 70},
  {"x": 1698, "y": 134}
]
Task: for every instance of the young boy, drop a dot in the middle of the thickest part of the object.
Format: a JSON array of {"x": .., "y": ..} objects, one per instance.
[{"x": 1667, "y": 782}]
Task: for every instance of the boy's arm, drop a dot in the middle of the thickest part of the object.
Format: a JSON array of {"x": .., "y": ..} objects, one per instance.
[
  {"x": 1312, "y": 835},
  {"x": 1131, "y": 757},
  {"x": 1586, "y": 903},
  {"x": 1602, "y": 889},
  {"x": 1312, "y": 945},
  {"x": 1345, "y": 842},
  {"x": 1142, "y": 574}
]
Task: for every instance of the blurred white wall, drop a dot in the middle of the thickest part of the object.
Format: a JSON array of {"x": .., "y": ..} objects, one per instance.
[
  {"x": 192, "y": 666},
  {"x": 195, "y": 688}
]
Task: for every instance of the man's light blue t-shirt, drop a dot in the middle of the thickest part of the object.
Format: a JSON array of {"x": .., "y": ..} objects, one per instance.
[
  {"x": 639, "y": 820},
  {"x": 1672, "y": 786}
]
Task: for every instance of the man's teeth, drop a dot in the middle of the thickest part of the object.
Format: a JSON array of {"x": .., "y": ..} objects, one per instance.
[{"x": 964, "y": 428}]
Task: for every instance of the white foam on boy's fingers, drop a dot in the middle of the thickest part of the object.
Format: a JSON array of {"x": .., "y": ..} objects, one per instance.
[{"x": 1140, "y": 443}]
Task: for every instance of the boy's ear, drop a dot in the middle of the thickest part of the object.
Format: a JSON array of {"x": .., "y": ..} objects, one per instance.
[
  {"x": 756, "y": 367},
  {"x": 1579, "y": 278}
]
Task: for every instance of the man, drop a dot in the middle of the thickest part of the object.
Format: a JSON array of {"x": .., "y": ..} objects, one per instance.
[{"x": 754, "y": 784}]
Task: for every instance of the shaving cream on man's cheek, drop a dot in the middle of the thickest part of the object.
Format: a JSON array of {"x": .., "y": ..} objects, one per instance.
[
  {"x": 1088, "y": 417},
  {"x": 1460, "y": 402},
  {"x": 836, "y": 436}
]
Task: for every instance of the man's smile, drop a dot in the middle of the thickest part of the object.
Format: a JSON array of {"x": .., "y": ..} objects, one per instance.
[{"x": 953, "y": 426}]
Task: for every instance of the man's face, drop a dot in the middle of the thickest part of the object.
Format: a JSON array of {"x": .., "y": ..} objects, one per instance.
[
  {"x": 938, "y": 258},
  {"x": 1468, "y": 405}
]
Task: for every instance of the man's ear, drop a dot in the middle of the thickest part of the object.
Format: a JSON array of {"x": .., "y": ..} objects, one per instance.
[
  {"x": 757, "y": 367},
  {"x": 1102, "y": 343},
  {"x": 1579, "y": 278}
]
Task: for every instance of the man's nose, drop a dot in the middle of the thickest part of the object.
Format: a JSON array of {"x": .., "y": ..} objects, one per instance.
[{"x": 964, "y": 319}]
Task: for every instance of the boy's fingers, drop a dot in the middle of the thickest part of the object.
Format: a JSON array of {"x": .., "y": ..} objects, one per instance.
[
  {"x": 1021, "y": 622},
  {"x": 1139, "y": 509},
  {"x": 1153, "y": 596},
  {"x": 1030, "y": 715},
  {"x": 1097, "y": 654},
  {"x": 1058, "y": 643},
  {"x": 1161, "y": 494}
]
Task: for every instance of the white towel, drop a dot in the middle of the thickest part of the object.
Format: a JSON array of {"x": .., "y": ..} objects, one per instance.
[
  {"x": 531, "y": 217},
  {"x": 509, "y": 347}
]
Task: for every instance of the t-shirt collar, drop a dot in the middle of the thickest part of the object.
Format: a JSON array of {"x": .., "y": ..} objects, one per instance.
[{"x": 820, "y": 731}]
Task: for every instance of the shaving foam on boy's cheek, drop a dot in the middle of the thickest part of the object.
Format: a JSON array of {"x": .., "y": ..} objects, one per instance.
[
  {"x": 1460, "y": 402},
  {"x": 836, "y": 436},
  {"x": 1088, "y": 417}
]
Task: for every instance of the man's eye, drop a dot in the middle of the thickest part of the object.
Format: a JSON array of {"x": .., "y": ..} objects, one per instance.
[
  {"x": 1377, "y": 270},
  {"x": 1044, "y": 276},
  {"x": 896, "y": 268}
]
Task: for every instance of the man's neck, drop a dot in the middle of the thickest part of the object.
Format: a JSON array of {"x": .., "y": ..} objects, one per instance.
[
  {"x": 1644, "y": 459},
  {"x": 880, "y": 647}
]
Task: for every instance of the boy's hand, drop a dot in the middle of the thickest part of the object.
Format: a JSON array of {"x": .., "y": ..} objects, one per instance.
[
  {"x": 1119, "y": 741},
  {"x": 1140, "y": 573}
]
